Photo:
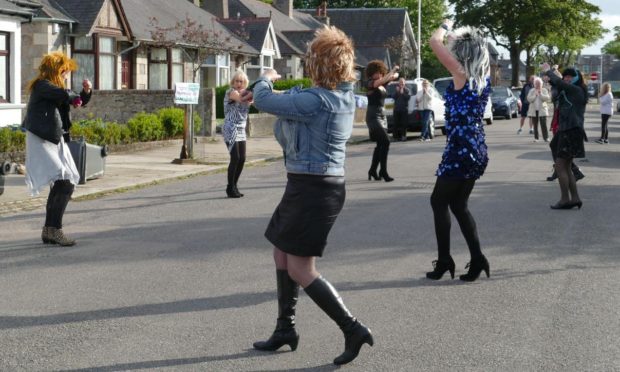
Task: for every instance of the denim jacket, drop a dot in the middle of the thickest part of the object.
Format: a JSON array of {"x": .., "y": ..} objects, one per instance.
[{"x": 313, "y": 125}]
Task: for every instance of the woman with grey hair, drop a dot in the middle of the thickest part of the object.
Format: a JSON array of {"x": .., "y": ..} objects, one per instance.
[{"x": 465, "y": 157}]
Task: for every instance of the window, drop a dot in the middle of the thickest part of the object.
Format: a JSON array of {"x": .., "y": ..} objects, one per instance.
[
  {"x": 107, "y": 63},
  {"x": 4, "y": 67},
  {"x": 96, "y": 61},
  {"x": 267, "y": 61},
  {"x": 178, "y": 75},
  {"x": 84, "y": 55},
  {"x": 158, "y": 68}
]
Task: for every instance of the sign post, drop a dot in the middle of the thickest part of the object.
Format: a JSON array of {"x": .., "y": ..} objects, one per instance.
[{"x": 187, "y": 94}]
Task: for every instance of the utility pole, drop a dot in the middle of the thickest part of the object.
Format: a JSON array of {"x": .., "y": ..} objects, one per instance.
[{"x": 419, "y": 37}]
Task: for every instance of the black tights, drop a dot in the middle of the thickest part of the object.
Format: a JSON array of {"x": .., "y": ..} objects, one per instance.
[
  {"x": 57, "y": 201},
  {"x": 380, "y": 154},
  {"x": 453, "y": 195},
  {"x": 237, "y": 160}
]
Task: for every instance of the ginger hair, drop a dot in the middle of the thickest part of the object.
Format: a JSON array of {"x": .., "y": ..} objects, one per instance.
[
  {"x": 52, "y": 67},
  {"x": 330, "y": 58}
]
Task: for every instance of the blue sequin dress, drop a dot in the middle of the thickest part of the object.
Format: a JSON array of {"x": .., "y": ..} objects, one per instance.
[{"x": 465, "y": 155}]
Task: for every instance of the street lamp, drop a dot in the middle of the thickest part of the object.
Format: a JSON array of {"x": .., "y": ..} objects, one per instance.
[{"x": 419, "y": 37}]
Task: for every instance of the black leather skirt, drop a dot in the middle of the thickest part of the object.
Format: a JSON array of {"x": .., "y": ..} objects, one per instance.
[{"x": 306, "y": 213}]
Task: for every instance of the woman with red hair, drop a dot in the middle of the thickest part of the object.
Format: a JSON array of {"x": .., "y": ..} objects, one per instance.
[{"x": 48, "y": 160}]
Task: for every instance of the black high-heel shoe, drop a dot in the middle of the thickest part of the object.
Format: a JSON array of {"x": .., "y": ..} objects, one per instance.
[
  {"x": 559, "y": 205},
  {"x": 475, "y": 268},
  {"x": 440, "y": 268},
  {"x": 231, "y": 192},
  {"x": 386, "y": 177},
  {"x": 578, "y": 204},
  {"x": 373, "y": 175}
]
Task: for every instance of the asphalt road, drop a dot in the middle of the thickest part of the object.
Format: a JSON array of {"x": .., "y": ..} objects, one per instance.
[{"x": 178, "y": 277}]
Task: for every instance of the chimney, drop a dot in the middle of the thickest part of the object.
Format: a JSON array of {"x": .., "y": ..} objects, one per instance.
[
  {"x": 285, "y": 6},
  {"x": 219, "y": 8}
]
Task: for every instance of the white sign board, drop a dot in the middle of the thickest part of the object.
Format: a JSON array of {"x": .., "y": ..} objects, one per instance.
[{"x": 186, "y": 93}]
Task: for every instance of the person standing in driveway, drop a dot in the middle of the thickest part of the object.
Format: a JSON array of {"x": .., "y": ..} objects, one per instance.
[
  {"x": 424, "y": 100},
  {"x": 48, "y": 159},
  {"x": 313, "y": 127},
  {"x": 525, "y": 105},
  {"x": 538, "y": 111},
  {"x": 401, "y": 98},
  {"x": 464, "y": 159}
]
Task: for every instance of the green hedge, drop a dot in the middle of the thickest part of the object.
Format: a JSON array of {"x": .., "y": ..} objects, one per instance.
[
  {"x": 12, "y": 140},
  {"x": 166, "y": 123},
  {"x": 220, "y": 92}
]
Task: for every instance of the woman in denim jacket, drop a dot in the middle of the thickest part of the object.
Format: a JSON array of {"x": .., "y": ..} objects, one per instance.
[{"x": 313, "y": 127}]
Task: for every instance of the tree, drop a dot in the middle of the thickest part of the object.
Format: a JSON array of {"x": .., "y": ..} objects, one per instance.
[
  {"x": 613, "y": 47},
  {"x": 197, "y": 41},
  {"x": 525, "y": 25}
]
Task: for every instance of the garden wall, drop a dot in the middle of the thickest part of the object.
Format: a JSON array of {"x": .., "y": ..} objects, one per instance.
[{"x": 121, "y": 105}]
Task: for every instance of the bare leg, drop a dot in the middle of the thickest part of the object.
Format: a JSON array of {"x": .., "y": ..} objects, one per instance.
[
  {"x": 302, "y": 269},
  {"x": 280, "y": 259}
]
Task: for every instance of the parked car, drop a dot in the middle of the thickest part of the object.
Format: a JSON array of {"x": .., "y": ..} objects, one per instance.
[
  {"x": 516, "y": 91},
  {"x": 504, "y": 102},
  {"x": 414, "y": 122},
  {"x": 442, "y": 84}
]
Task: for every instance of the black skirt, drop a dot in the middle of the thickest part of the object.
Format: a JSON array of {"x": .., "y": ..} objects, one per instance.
[
  {"x": 306, "y": 213},
  {"x": 568, "y": 144}
]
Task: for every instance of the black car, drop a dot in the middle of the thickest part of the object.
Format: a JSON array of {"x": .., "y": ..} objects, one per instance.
[{"x": 505, "y": 104}]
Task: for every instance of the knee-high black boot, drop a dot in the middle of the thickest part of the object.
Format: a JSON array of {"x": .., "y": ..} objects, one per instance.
[
  {"x": 285, "y": 333},
  {"x": 372, "y": 172},
  {"x": 355, "y": 333}
]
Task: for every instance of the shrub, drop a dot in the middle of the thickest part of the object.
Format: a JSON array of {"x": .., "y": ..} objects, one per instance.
[
  {"x": 278, "y": 85},
  {"x": 145, "y": 127},
  {"x": 12, "y": 140},
  {"x": 172, "y": 119}
]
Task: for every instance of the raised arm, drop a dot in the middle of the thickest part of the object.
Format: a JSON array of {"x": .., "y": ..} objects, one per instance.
[
  {"x": 390, "y": 76},
  {"x": 444, "y": 56}
]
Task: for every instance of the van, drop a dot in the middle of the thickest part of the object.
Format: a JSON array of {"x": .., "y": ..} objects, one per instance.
[{"x": 414, "y": 119}]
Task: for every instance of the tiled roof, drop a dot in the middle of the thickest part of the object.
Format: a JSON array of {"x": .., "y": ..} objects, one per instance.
[
  {"x": 368, "y": 27},
  {"x": 252, "y": 30},
  {"x": 84, "y": 12},
  {"x": 284, "y": 25},
  {"x": 168, "y": 13},
  {"x": 7, "y": 7}
]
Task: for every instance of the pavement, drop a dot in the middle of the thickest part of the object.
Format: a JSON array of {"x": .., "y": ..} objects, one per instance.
[{"x": 135, "y": 169}]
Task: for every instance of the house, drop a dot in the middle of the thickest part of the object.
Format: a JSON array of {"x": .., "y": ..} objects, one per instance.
[
  {"x": 378, "y": 33},
  {"x": 293, "y": 29},
  {"x": 262, "y": 37},
  {"x": 385, "y": 34},
  {"x": 11, "y": 18},
  {"x": 111, "y": 41},
  {"x": 504, "y": 75}
]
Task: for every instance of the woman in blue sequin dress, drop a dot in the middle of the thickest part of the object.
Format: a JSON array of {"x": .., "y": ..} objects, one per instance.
[{"x": 465, "y": 156}]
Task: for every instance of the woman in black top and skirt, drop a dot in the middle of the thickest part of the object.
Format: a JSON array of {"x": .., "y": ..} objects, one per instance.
[
  {"x": 378, "y": 75},
  {"x": 313, "y": 127}
]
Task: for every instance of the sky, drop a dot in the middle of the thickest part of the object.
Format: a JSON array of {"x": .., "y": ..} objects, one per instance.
[{"x": 610, "y": 15}]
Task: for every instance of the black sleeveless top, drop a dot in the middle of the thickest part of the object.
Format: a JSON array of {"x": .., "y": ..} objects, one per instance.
[{"x": 376, "y": 96}]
